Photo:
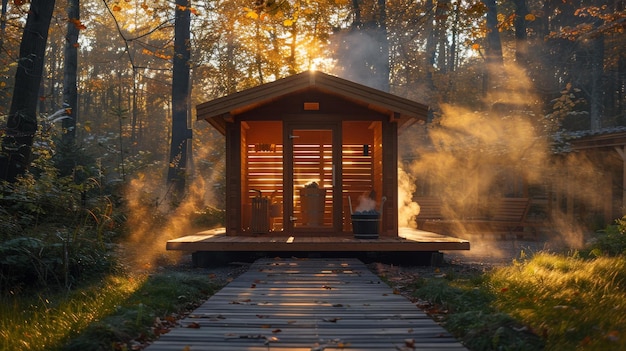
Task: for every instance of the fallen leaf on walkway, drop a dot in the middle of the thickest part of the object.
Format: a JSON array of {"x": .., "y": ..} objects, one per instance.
[
  {"x": 613, "y": 336},
  {"x": 193, "y": 325},
  {"x": 242, "y": 302},
  {"x": 269, "y": 339}
]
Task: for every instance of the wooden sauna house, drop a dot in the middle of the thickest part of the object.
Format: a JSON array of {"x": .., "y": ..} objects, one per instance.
[{"x": 303, "y": 154}]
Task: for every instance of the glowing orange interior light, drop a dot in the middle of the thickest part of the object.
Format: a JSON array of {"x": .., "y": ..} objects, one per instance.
[{"x": 311, "y": 106}]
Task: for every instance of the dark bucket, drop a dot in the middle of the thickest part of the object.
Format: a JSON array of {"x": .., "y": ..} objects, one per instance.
[{"x": 365, "y": 226}]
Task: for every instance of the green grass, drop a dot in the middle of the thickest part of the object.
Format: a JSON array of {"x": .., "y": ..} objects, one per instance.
[
  {"x": 44, "y": 323},
  {"x": 550, "y": 301},
  {"x": 573, "y": 303},
  {"x": 106, "y": 315}
]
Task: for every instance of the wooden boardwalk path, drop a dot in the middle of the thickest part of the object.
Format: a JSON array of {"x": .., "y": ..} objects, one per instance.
[{"x": 307, "y": 304}]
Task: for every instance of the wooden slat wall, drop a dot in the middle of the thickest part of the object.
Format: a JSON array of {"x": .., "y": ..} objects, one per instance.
[
  {"x": 357, "y": 178},
  {"x": 362, "y": 172},
  {"x": 265, "y": 173}
]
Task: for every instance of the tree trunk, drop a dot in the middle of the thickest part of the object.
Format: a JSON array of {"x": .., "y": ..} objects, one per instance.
[
  {"x": 441, "y": 16},
  {"x": 356, "y": 10},
  {"x": 383, "y": 41},
  {"x": 3, "y": 22},
  {"x": 22, "y": 119},
  {"x": 431, "y": 48},
  {"x": 180, "y": 98},
  {"x": 134, "y": 110},
  {"x": 70, "y": 91},
  {"x": 454, "y": 35},
  {"x": 493, "y": 51},
  {"x": 521, "y": 46},
  {"x": 364, "y": 48},
  {"x": 597, "y": 75}
]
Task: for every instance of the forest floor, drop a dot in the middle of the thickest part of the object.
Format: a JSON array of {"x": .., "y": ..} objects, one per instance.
[
  {"x": 484, "y": 256},
  {"x": 457, "y": 267}
]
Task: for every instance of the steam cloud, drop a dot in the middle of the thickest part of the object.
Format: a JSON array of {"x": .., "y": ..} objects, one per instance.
[
  {"x": 366, "y": 204},
  {"x": 152, "y": 220},
  {"x": 472, "y": 157}
]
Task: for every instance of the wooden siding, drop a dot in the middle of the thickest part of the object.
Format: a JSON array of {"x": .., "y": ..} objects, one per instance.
[
  {"x": 307, "y": 304},
  {"x": 233, "y": 179},
  {"x": 401, "y": 110},
  {"x": 390, "y": 178}
]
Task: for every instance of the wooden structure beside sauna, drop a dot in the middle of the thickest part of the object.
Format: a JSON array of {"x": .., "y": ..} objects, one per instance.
[{"x": 301, "y": 150}]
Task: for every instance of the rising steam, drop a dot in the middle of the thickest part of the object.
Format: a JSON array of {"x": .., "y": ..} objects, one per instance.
[
  {"x": 155, "y": 216},
  {"x": 472, "y": 157}
]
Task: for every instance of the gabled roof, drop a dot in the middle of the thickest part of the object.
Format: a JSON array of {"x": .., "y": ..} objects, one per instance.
[
  {"x": 567, "y": 141},
  {"x": 401, "y": 110}
]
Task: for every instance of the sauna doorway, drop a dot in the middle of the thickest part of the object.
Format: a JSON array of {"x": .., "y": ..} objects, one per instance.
[
  {"x": 297, "y": 176},
  {"x": 313, "y": 167}
]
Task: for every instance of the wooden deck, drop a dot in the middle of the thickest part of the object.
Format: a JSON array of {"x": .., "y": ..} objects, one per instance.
[
  {"x": 407, "y": 240},
  {"x": 307, "y": 304}
]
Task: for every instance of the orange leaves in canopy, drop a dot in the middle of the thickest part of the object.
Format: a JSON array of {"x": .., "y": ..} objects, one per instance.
[
  {"x": 252, "y": 14},
  {"x": 156, "y": 54},
  {"x": 77, "y": 23},
  {"x": 261, "y": 15},
  {"x": 185, "y": 8}
]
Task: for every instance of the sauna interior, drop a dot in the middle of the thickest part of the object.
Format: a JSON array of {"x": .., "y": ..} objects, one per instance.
[{"x": 293, "y": 172}]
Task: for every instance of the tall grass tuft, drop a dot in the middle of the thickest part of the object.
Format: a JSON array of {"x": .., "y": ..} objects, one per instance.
[
  {"x": 44, "y": 324},
  {"x": 573, "y": 303}
]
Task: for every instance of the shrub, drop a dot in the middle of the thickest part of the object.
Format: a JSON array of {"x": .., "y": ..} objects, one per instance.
[
  {"x": 55, "y": 229},
  {"x": 610, "y": 241},
  {"x": 209, "y": 217},
  {"x": 53, "y": 258}
]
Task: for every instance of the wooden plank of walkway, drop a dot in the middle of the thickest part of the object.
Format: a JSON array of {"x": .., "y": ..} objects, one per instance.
[{"x": 307, "y": 304}]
